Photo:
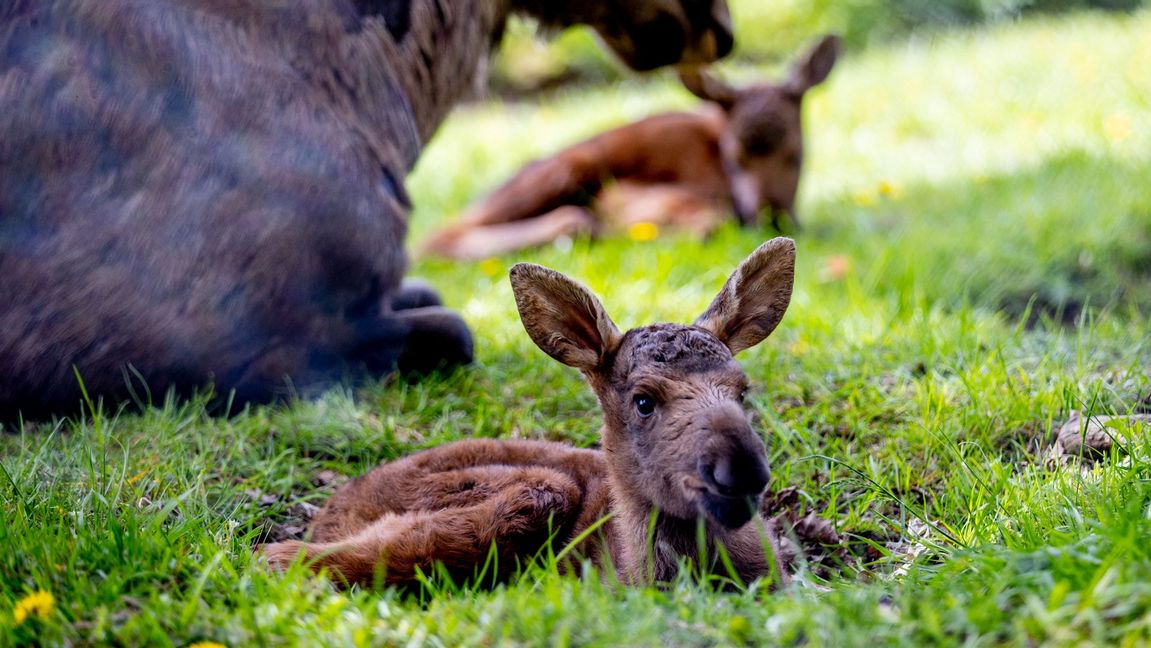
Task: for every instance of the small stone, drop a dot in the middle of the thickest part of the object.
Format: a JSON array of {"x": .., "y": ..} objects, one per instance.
[
  {"x": 1095, "y": 437},
  {"x": 304, "y": 510},
  {"x": 328, "y": 478}
]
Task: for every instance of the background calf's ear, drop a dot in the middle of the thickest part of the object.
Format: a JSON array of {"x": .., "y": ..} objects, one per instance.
[
  {"x": 755, "y": 297},
  {"x": 812, "y": 69},
  {"x": 563, "y": 318}
]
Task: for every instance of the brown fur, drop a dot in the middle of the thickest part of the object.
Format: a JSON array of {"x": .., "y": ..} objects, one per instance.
[
  {"x": 690, "y": 458},
  {"x": 211, "y": 191},
  {"x": 687, "y": 171}
]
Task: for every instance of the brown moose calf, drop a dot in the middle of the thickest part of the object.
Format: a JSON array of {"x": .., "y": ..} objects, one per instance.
[
  {"x": 678, "y": 452},
  {"x": 689, "y": 171}
]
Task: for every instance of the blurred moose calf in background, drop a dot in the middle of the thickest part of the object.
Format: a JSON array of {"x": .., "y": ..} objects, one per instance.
[
  {"x": 211, "y": 191},
  {"x": 689, "y": 171}
]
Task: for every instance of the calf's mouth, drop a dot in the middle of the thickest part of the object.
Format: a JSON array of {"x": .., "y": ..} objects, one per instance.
[{"x": 729, "y": 510}]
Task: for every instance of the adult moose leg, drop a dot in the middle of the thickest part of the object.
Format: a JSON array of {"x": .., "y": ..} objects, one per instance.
[{"x": 435, "y": 337}]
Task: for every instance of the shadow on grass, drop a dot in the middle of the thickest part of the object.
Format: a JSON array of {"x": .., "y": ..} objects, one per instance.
[{"x": 1046, "y": 242}]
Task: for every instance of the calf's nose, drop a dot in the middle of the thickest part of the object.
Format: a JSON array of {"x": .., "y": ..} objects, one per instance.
[{"x": 737, "y": 473}]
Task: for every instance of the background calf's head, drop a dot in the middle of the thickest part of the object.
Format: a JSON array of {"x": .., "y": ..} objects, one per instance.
[
  {"x": 762, "y": 145},
  {"x": 675, "y": 432}
]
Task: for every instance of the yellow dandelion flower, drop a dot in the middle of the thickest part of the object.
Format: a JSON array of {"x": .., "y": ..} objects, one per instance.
[
  {"x": 206, "y": 644},
  {"x": 491, "y": 267},
  {"x": 39, "y": 603},
  {"x": 865, "y": 198},
  {"x": 643, "y": 232},
  {"x": 1117, "y": 126},
  {"x": 890, "y": 190}
]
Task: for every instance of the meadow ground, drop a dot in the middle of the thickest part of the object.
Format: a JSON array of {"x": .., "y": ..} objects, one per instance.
[{"x": 976, "y": 263}]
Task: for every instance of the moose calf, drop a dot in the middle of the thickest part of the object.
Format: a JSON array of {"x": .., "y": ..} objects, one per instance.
[
  {"x": 678, "y": 452},
  {"x": 687, "y": 171}
]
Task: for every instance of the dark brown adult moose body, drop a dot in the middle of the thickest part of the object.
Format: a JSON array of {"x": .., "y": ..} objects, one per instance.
[
  {"x": 679, "y": 455},
  {"x": 211, "y": 191}
]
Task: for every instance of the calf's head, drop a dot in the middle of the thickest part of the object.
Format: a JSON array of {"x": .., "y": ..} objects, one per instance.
[
  {"x": 762, "y": 144},
  {"x": 675, "y": 431}
]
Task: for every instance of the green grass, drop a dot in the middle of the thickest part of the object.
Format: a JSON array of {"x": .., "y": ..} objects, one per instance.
[{"x": 985, "y": 199}]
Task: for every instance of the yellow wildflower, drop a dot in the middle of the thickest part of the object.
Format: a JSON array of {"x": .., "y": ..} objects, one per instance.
[
  {"x": 890, "y": 190},
  {"x": 135, "y": 478},
  {"x": 39, "y": 603},
  {"x": 206, "y": 644},
  {"x": 643, "y": 232},
  {"x": 491, "y": 267},
  {"x": 865, "y": 197}
]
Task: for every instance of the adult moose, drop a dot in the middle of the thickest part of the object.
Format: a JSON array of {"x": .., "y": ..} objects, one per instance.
[{"x": 211, "y": 191}]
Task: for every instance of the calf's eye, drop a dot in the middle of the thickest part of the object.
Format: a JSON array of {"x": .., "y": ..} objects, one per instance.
[{"x": 644, "y": 405}]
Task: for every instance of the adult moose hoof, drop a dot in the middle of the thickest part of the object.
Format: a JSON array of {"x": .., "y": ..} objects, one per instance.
[
  {"x": 437, "y": 339},
  {"x": 415, "y": 293}
]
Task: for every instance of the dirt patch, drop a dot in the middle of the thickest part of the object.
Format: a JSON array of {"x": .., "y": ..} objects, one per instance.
[
  {"x": 291, "y": 523},
  {"x": 806, "y": 538}
]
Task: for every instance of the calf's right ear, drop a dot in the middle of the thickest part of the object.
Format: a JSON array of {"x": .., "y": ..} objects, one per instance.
[
  {"x": 563, "y": 318},
  {"x": 755, "y": 297}
]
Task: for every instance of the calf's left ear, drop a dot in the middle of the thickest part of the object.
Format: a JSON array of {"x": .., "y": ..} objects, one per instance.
[
  {"x": 755, "y": 297},
  {"x": 812, "y": 68}
]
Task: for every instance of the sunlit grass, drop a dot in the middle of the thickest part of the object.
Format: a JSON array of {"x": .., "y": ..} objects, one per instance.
[{"x": 975, "y": 264}]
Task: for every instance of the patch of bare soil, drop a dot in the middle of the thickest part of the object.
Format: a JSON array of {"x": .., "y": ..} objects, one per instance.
[
  {"x": 292, "y": 523},
  {"x": 805, "y": 538}
]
